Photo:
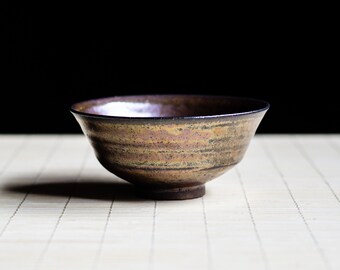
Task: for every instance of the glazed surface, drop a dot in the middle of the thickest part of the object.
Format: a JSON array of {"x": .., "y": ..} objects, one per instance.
[
  {"x": 168, "y": 106},
  {"x": 173, "y": 149}
]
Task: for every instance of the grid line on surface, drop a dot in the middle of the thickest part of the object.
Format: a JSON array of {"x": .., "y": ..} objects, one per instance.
[
  {"x": 152, "y": 246},
  {"x": 206, "y": 229},
  {"x": 316, "y": 242},
  {"x": 17, "y": 150},
  {"x": 315, "y": 167},
  {"x": 101, "y": 242},
  {"x": 45, "y": 162},
  {"x": 258, "y": 238},
  {"x": 232, "y": 227},
  {"x": 50, "y": 239}
]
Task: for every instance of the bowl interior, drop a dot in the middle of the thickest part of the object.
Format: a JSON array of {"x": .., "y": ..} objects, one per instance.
[{"x": 168, "y": 106}]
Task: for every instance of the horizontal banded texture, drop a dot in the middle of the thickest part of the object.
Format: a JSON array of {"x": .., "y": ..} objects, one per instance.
[{"x": 170, "y": 152}]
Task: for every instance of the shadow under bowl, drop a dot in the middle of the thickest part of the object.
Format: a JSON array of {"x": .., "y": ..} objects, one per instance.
[{"x": 169, "y": 146}]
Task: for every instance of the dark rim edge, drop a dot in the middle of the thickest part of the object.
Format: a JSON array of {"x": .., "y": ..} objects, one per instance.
[{"x": 265, "y": 108}]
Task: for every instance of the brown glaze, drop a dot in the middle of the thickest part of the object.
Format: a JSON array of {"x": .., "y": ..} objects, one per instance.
[{"x": 169, "y": 146}]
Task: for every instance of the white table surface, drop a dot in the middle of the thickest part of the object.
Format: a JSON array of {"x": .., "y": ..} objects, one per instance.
[{"x": 278, "y": 209}]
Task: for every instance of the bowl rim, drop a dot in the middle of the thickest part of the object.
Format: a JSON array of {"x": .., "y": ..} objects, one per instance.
[{"x": 264, "y": 108}]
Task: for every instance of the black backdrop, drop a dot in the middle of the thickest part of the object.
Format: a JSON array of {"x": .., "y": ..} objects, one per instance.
[{"x": 55, "y": 57}]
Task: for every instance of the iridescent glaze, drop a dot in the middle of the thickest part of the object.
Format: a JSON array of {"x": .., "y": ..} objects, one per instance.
[{"x": 169, "y": 146}]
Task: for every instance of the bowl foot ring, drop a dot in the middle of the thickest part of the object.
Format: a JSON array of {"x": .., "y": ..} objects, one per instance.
[{"x": 183, "y": 193}]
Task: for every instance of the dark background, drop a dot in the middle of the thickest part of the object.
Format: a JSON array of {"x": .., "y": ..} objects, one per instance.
[{"x": 55, "y": 56}]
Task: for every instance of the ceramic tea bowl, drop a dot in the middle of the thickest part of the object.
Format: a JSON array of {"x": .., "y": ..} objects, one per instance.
[{"x": 169, "y": 146}]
